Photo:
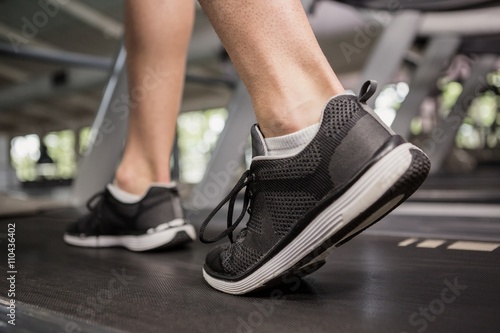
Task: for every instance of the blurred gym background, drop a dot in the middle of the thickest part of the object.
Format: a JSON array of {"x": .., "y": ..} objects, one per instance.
[{"x": 56, "y": 58}]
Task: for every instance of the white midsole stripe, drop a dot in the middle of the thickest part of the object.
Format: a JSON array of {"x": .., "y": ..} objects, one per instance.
[
  {"x": 135, "y": 243},
  {"x": 375, "y": 216}
]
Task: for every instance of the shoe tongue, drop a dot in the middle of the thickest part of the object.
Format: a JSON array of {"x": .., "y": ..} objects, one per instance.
[{"x": 259, "y": 147}]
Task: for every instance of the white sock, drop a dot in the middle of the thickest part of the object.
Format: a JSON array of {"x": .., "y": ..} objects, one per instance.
[
  {"x": 130, "y": 198},
  {"x": 291, "y": 144},
  {"x": 123, "y": 196}
]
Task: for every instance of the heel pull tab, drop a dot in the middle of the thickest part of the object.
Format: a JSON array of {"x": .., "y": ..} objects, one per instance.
[{"x": 367, "y": 91}]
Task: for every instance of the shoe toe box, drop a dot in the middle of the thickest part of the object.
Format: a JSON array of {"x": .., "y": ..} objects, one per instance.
[{"x": 213, "y": 260}]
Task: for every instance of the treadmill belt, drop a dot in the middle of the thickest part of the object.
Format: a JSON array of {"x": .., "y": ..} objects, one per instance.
[{"x": 371, "y": 284}]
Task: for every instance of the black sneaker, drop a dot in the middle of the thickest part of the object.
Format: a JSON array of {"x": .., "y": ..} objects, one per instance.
[
  {"x": 353, "y": 173},
  {"x": 156, "y": 221}
]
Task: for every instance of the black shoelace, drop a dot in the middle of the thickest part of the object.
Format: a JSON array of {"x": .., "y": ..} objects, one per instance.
[
  {"x": 244, "y": 181},
  {"x": 93, "y": 206},
  {"x": 92, "y": 203}
]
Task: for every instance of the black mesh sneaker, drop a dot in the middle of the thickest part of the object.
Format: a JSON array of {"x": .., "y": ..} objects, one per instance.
[
  {"x": 353, "y": 172},
  {"x": 156, "y": 221}
]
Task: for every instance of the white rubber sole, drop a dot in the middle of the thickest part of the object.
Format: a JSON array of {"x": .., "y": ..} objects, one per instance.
[
  {"x": 155, "y": 238},
  {"x": 374, "y": 183},
  {"x": 374, "y": 217}
]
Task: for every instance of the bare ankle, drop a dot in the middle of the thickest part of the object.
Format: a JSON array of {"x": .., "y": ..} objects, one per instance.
[
  {"x": 136, "y": 179},
  {"x": 289, "y": 107},
  {"x": 294, "y": 116},
  {"x": 127, "y": 181}
]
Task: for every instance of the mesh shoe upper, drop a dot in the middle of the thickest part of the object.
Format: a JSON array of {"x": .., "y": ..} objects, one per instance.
[
  {"x": 286, "y": 193},
  {"x": 109, "y": 216}
]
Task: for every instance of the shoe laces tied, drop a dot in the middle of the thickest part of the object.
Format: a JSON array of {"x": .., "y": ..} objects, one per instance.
[{"x": 243, "y": 182}]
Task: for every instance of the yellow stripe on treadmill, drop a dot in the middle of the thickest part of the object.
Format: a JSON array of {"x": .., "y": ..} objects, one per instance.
[
  {"x": 431, "y": 243},
  {"x": 407, "y": 242},
  {"x": 474, "y": 246}
]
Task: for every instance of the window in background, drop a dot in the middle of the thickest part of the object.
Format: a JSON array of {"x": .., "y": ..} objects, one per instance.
[
  {"x": 24, "y": 153},
  {"x": 198, "y": 132},
  {"x": 389, "y": 101},
  {"x": 84, "y": 140},
  {"x": 61, "y": 148},
  {"x": 52, "y": 159}
]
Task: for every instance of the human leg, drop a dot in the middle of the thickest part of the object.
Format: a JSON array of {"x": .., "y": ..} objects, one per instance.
[
  {"x": 157, "y": 36},
  {"x": 278, "y": 58},
  {"x": 142, "y": 210}
]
